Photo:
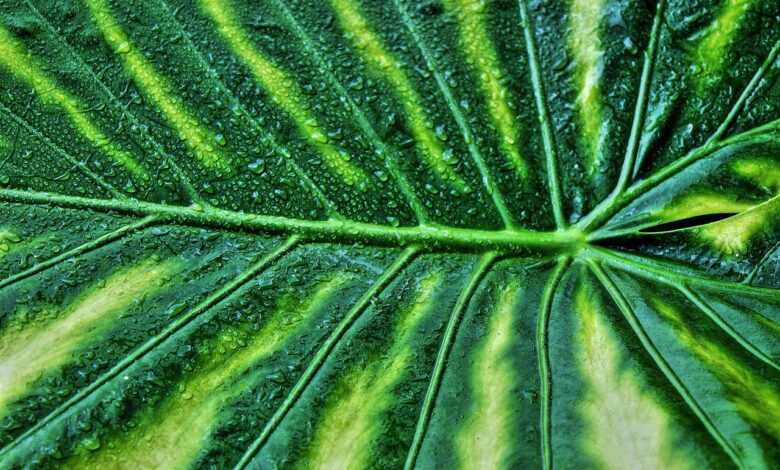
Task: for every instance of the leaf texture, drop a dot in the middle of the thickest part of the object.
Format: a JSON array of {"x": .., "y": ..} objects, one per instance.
[{"x": 390, "y": 234}]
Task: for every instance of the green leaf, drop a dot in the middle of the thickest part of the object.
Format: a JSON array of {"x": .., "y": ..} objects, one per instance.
[{"x": 390, "y": 234}]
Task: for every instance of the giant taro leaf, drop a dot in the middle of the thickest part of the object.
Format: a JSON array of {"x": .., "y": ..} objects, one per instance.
[{"x": 390, "y": 234}]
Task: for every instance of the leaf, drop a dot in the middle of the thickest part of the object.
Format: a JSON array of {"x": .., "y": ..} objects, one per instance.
[{"x": 390, "y": 234}]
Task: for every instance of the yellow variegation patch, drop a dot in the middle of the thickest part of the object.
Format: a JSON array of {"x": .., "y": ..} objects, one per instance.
[
  {"x": 172, "y": 436},
  {"x": 625, "y": 422},
  {"x": 703, "y": 203},
  {"x": 585, "y": 43},
  {"x": 199, "y": 139},
  {"x": 764, "y": 171},
  {"x": 713, "y": 45},
  {"x": 733, "y": 235},
  {"x": 284, "y": 91},
  {"x": 485, "y": 440},
  {"x": 388, "y": 68},
  {"x": 352, "y": 421},
  {"x": 30, "y": 348},
  {"x": 18, "y": 62},
  {"x": 477, "y": 43},
  {"x": 755, "y": 399}
]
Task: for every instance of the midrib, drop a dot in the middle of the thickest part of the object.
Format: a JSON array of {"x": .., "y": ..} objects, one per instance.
[{"x": 427, "y": 236}]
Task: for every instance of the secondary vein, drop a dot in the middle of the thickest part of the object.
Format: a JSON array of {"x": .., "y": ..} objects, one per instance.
[{"x": 550, "y": 150}]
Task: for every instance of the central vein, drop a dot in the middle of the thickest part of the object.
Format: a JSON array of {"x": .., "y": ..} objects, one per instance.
[{"x": 428, "y": 236}]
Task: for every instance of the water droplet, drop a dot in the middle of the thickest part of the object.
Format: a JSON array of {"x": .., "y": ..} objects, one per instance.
[
  {"x": 123, "y": 48},
  {"x": 257, "y": 166}
]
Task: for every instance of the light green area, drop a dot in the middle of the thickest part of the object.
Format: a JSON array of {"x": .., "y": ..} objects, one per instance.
[
  {"x": 172, "y": 435},
  {"x": 481, "y": 55},
  {"x": 585, "y": 44},
  {"x": 754, "y": 397},
  {"x": 284, "y": 91},
  {"x": 8, "y": 240},
  {"x": 702, "y": 203},
  {"x": 486, "y": 439},
  {"x": 764, "y": 171},
  {"x": 624, "y": 422},
  {"x": 199, "y": 139},
  {"x": 352, "y": 421},
  {"x": 20, "y": 64},
  {"x": 32, "y": 347},
  {"x": 712, "y": 47},
  {"x": 733, "y": 235},
  {"x": 387, "y": 67}
]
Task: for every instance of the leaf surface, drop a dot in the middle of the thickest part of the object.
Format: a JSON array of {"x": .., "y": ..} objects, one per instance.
[{"x": 389, "y": 234}]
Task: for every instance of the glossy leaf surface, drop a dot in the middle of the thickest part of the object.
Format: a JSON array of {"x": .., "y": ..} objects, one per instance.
[{"x": 390, "y": 234}]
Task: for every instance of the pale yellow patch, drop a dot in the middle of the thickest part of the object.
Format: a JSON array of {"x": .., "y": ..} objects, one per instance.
[
  {"x": 389, "y": 68},
  {"x": 352, "y": 422},
  {"x": 702, "y": 203},
  {"x": 19, "y": 63},
  {"x": 172, "y": 436},
  {"x": 755, "y": 398},
  {"x": 29, "y": 349},
  {"x": 624, "y": 423},
  {"x": 732, "y": 236},
  {"x": 482, "y": 56},
  {"x": 485, "y": 440},
  {"x": 585, "y": 45},
  {"x": 763, "y": 171},
  {"x": 200, "y": 140},
  {"x": 283, "y": 90},
  {"x": 711, "y": 49}
]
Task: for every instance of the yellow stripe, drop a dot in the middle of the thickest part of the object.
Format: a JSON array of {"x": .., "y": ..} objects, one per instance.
[
  {"x": 284, "y": 91},
  {"x": 29, "y": 350},
  {"x": 702, "y": 203},
  {"x": 764, "y": 171},
  {"x": 755, "y": 398},
  {"x": 200, "y": 140},
  {"x": 352, "y": 423},
  {"x": 732, "y": 236},
  {"x": 172, "y": 435},
  {"x": 480, "y": 53},
  {"x": 388, "y": 68},
  {"x": 19, "y": 63},
  {"x": 585, "y": 44},
  {"x": 711, "y": 51},
  {"x": 486, "y": 439},
  {"x": 625, "y": 424}
]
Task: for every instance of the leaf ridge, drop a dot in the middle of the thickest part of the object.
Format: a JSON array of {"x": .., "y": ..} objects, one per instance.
[
  {"x": 640, "y": 110},
  {"x": 718, "y": 320},
  {"x": 392, "y": 163},
  {"x": 487, "y": 177},
  {"x": 749, "y": 278},
  {"x": 322, "y": 354},
  {"x": 215, "y": 298},
  {"x": 745, "y": 95},
  {"x": 543, "y": 360},
  {"x": 670, "y": 273},
  {"x": 84, "y": 248},
  {"x": 548, "y": 139},
  {"x": 183, "y": 179},
  {"x": 110, "y": 188},
  {"x": 478, "y": 274},
  {"x": 266, "y": 136},
  {"x": 609, "y": 207}
]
